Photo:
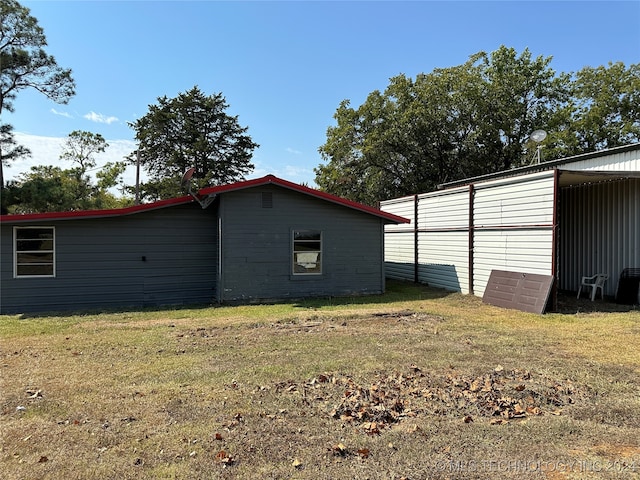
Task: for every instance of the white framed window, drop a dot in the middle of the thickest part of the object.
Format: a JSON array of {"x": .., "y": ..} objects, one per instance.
[
  {"x": 307, "y": 252},
  {"x": 34, "y": 252}
]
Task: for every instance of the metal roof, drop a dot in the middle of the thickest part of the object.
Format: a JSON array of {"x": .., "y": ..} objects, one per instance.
[
  {"x": 204, "y": 193},
  {"x": 550, "y": 165}
]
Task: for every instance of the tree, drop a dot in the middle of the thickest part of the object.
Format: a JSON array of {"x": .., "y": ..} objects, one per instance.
[
  {"x": 43, "y": 189},
  {"x": 452, "y": 123},
  {"x": 603, "y": 112},
  {"x": 81, "y": 148},
  {"x": 24, "y": 62},
  {"x": 191, "y": 130},
  {"x": 49, "y": 188},
  {"x": 9, "y": 150},
  {"x": 46, "y": 188}
]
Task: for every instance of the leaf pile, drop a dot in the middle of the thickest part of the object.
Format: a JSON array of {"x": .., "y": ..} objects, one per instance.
[{"x": 389, "y": 398}]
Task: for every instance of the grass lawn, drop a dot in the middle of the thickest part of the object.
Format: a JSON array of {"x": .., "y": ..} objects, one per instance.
[{"x": 414, "y": 384}]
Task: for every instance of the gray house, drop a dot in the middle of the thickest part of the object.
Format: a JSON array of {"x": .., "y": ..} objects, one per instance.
[{"x": 262, "y": 239}]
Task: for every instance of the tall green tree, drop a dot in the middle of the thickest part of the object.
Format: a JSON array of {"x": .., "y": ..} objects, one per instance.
[
  {"x": 191, "y": 130},
  {"x": 81, "y": 147},
  {"x": 474, "y": 119},
  {"x": 9, "y": 151},
  {"x": 452, "y": 123},
  {"x": 49, "y": 188},
  {"x": 603, "y": 111},
  {"x": 25, "y": 64}
]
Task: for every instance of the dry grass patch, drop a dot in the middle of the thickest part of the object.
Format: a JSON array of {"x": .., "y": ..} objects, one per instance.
[{"x": 412, "y": 384}]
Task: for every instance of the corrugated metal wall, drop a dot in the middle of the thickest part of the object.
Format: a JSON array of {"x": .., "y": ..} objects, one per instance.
[
  {"x": 513, "y": 226},
  {"x": 512, "y": 230},
  {"x": 620, "y": 162},
  {"x": 399, "y": 251},
  {"x": 600, "y": 231},
  {"x": 443, "y": 239}
]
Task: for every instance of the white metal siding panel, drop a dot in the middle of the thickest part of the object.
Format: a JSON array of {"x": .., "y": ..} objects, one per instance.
[
  {"x": 600, "y": 232},
  {"x": 517, "y": 250},
  {"x": 444, "y": 259},
  {"x": 619, "y": 162},
  {"x": 399, "y": 255},
  {"x": 444, "y": 210},
  {"x": 443, "y": 221},
  {"x": 402, "y": 207},
  {"x": 514, "y": 227},
  {"x": 515, "y": 204},
  {"x": 399, "y": 243}
]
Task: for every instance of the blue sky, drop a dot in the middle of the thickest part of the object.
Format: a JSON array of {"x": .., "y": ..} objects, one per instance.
[{"x": 284, "y": 67}]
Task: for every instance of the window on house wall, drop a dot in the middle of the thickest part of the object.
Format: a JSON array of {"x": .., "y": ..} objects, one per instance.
[
  {"x": 307, "y": 252},
  {"x": 34, "y": 251}
]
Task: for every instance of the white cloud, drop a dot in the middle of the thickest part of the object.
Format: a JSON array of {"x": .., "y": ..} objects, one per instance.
[
  {"x": 62, "y": 114},
  {"x": 293, "y": 151},
  {"x": 100, "y": 118}
]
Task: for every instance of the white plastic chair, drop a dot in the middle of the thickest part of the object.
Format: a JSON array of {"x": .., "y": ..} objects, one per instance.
[{"x": 594, "y": 282}]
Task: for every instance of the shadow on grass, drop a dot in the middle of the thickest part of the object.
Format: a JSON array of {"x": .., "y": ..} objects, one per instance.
[
  {"x": 114, "y": 310},
  {"x": 569, "y": 304},
  {"x": 396, "y": 291}
]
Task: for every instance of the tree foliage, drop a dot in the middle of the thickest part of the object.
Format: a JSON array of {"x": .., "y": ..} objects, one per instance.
[
  {"x": 81, "y": 148},
  {"x": 603, "y": 111},
  {"x": 9, "y": 148},
  {"x": 9, "y": 151},
  {"x": 473, "y": 119},
  {"x": 191, "y": 130},
  {"x": 47, "y": 188},
  {"x": 24, "y": 63}
]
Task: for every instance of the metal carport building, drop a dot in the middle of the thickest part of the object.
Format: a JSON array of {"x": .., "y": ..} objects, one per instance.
[{"x": 567, "y": 218}]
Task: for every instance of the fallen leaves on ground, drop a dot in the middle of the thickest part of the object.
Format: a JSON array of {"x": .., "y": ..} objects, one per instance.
[{"x": 500, "y": 395}]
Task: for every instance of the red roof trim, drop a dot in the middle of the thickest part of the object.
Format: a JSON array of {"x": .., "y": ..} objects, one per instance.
[
  {"x": 114, "y": 212},
  {"x": 269, "y": 179}
]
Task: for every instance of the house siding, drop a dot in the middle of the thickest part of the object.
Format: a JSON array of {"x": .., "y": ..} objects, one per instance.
[
  {"x": 99, "y": 262},
  {"x": 257, "y": 247}
]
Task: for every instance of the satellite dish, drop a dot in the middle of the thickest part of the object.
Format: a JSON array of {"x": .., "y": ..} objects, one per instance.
[
  {"x": 187, "y": 176},
  {"x": 538, "y": 135}
]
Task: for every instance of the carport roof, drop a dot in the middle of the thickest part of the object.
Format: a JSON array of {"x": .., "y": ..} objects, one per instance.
[
  {"x": 580, "y": 177},
  {"x": 205, "y": 192},
  {"x": 554, "y": 164}
]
